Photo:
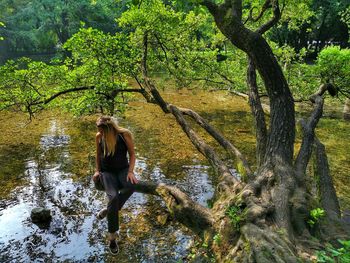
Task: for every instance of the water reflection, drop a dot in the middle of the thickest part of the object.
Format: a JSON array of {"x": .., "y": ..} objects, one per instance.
[{"x": 75, "y": 235}]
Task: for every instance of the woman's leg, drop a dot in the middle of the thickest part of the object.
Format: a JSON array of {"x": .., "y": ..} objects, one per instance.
[
  {"x": 127, "y": 187},
  {"x": 110, "y": 183}
]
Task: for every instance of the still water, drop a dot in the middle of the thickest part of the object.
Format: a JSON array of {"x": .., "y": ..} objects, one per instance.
[
  {"x": 48, "y": 178},
  {"x": 49, "y": 161}
]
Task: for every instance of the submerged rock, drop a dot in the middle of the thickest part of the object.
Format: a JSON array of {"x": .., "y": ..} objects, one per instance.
[{"x": 40, "y": 215}]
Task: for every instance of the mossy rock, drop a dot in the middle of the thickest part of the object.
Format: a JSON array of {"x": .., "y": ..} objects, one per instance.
[{"x": 40, "y": 215}]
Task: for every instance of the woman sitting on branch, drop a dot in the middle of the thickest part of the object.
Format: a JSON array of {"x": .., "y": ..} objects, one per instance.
[{"x": 114, "y": 172}]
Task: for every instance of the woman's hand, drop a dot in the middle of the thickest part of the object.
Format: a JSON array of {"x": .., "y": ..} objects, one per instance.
[
  {"x": 131, "y": 177},
  {"x": 95, "y": 176}
]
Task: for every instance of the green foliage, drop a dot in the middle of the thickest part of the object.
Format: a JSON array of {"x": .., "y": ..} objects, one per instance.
[
  {"x": 302, "y": 78},
  {"x": 331, "y": 254},
  {"x": 24, "y": 83},
  {"x": 185, "y": 45},
  {"x": 333, "y": 66},
  {"x": 44, "y": 25},
  {"x": 236, "y": 215},
  {"x": 315, "y": 216},
  {"x": 295, "y": 13},
  {"x": 217, "y": 239},
  {"x": 100, "y": 65},
  {"x": 1, "y": 25}
]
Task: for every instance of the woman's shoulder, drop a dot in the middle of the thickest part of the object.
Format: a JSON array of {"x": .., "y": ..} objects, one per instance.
[
  {"x": 125, "y": 134},
  {"x": 98, "y": 135}
]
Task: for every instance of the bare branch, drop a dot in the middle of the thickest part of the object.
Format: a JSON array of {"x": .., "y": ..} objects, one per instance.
[
  {"x": 145, "y": 94},
  {"x": 46, "y": 101},
  {"x": 202, "y": 147},
  {"x": 218, "y": 137},
  {"x": 309, "y": 132},
  {"x": 146, "y": 79},
  {"x": 322, "y": 89},
  {"x": 273, "y": 21},
  {"x": 308, "y": 140}
]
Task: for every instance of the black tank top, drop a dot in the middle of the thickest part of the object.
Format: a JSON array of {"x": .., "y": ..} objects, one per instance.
[{"x": 117, "y": 161}]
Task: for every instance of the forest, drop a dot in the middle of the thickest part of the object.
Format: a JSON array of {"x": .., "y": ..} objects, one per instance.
[{"x": 240, "y": 112}]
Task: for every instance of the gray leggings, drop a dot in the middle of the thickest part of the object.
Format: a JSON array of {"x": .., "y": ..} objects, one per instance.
[{"x": 113, "y": 182}]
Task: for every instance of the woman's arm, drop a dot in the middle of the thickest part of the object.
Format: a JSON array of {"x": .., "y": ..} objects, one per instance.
[
  {"x": 98, "y": 153},
  {"x": 131, "y": 150}
]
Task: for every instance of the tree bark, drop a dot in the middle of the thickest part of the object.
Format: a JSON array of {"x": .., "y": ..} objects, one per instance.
[
  {"x": 258, "y": 113},
  {"x": 327, "y": 194},
  {"x": 194, "y": 216},
  {"x": 282, "y": 122}
]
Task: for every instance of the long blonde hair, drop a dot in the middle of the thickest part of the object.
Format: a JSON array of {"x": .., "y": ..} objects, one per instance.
[{"x": 110, "y": 130}]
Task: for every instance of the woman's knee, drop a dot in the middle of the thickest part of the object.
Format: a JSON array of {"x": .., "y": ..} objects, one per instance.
[{"x": 113, "y": 197}]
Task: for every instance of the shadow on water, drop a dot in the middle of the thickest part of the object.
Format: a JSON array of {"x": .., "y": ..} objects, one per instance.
[{"x": 74, "y": 234}]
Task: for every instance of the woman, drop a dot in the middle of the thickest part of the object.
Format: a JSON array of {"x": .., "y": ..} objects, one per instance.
[{"x": 114, "y": 171}]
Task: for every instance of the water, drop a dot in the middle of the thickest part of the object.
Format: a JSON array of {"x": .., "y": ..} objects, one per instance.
[
  {"x": 49, "y": 163},
  {"x": 74, "y": 234}
]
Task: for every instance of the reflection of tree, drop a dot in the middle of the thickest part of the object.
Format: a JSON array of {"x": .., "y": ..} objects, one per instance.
[{"x": 13, "y": 165}]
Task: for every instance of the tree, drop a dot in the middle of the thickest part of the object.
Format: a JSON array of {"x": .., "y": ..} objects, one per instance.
[{"x": 263, "y": 216}]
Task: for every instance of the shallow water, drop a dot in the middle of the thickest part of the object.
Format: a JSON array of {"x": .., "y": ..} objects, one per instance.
[
  {"x": 49, "y": 161},
  {"x": 75, "y": 235}
]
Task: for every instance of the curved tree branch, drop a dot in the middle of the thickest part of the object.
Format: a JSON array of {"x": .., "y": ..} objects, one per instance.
[
  {"x": 305, "y": 151},
  {"x": 48, "y": 100},
  {"x": 273, "y": 21},
  {"x": 322, "y": 89},
  {"x": 194, "y": 216},
  {"x": 202, "y": 147},
  {"x": 265, "y": 7},
  {"x": 218, "y": 137}
]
